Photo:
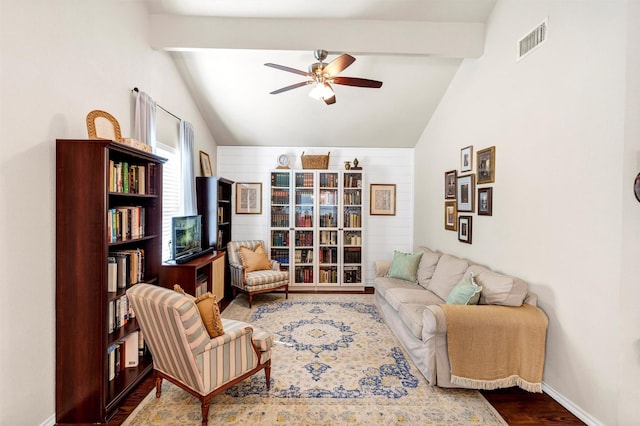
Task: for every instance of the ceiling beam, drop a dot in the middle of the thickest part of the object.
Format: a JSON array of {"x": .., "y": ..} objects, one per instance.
[{"x": 445, "y": 39}]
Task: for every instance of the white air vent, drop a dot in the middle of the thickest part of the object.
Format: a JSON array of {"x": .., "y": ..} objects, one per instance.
[{"x": 533, "y": 40}]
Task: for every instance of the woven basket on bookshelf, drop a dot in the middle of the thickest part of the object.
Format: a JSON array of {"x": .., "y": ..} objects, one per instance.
[{"x": 315, "y": 161}]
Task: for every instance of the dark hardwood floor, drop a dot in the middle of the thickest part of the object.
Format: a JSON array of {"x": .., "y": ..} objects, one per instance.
[{"x": 516, "y": 406}]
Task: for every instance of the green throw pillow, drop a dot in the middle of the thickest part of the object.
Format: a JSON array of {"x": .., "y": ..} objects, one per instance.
[
  {"x": 466, "y": 292},
  {"x": 405, "y": 266}
]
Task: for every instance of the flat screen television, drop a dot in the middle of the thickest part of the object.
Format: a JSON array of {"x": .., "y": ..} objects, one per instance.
[{"x": 186, "y": 235}]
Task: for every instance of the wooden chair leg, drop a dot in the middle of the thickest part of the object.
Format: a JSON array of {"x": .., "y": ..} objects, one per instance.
[
  {"x": 206, "y": 403},
  {"x": 250, "y": 299},
  {"x": 158, "y": 386},
  {"x": 286, "y": 292},
  {"x": 267, "y": 373}
]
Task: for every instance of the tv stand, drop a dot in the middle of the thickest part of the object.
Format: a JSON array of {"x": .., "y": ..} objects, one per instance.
[
  {"x": 197, "y": 276},
  {"x": 190, "y": 257}
]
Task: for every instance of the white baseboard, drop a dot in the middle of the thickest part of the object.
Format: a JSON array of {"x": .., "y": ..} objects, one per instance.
[
  {"x": 569, "y": 405},
  {"x": 51, "y": 421}
]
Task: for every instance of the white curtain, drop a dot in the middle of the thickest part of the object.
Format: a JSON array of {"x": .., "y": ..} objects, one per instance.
[
  {"x": 187, "y": 176},
  {"x": 145, "y": 120}
]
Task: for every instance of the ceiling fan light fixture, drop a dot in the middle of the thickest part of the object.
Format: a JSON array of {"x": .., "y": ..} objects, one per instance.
[{"x": 321, "y": 91}]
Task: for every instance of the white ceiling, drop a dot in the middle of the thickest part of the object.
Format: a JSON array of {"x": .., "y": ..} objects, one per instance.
[{"x": 413, "y": 46}]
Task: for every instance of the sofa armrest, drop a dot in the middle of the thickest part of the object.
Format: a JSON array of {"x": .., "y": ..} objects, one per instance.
[
  {"x": 381, "y": 267},
  {"x": 434, "y": 321}
]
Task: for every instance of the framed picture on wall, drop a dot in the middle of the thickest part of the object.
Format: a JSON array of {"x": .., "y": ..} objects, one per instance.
[
  {"x": 450, "y": 185},
  {"x": 485, "y": 201},
  {"x": 464, "y": 229},
  {"x": 466, "y": 159},
  {"x": 382, "y": 199},
  {"x": 248, "y": 198},
  {"x": 465, "y": 190},
  {"x": 486, "y": 165},
  {"x": 205, "y": 164},
  {"x": 450, "y": 216}
]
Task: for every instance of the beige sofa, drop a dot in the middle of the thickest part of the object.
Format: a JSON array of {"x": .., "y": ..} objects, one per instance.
[{"x": 500, "y": 342}]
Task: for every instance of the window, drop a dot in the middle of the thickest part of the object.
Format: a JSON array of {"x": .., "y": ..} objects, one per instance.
[{"x": 170, "y": 193}]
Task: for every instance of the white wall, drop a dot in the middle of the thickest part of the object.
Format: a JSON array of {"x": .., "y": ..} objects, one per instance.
[
  {"x": 58, "y": 61},
  {"x": 562, "y": 208},
  {"x": 382, "y": 234}
]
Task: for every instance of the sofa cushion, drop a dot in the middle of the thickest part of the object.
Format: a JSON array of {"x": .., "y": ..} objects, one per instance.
[
  {"x": 427, "y": 266},
  {"x": 449, "y": 271},
  {"x": 398, "y": 296},
  {"x": 411, "y": 315},
  {"x": 254, "y": 260},
  {"x": 382, "y": 284},
  {"x": 499, "y": 289},
  {"x": 466, "y": 292},
  {"x": 405, "y": 266}
]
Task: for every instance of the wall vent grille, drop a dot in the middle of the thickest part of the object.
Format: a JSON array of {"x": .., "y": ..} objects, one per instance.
[{"x": 533, "y": 39}]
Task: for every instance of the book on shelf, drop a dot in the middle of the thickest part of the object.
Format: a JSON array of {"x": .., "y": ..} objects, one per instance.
[
  {"x": 129, "y": 267},
  {"x": 125, "y": 223},
  {"x": 112, "y": 274},
  {"x": 131, "y": 355}
]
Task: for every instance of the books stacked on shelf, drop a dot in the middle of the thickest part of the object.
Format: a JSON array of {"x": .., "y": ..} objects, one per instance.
[
  {"x": 352, "y": 274},
  {"x": 329, "y": 180},
  {"x": 201, "y": 288},
  {"x": 123, "y": 354},
  {"x": 328, "y": 275},
  {"x": 351, "y": 219},
  {"x": 131, "y": 178},
  {"x": 279, "y": 196},
  {"x": 119, "y": 313},
  {"x": 125, "y": 223},
  {"x": 304, "y": 219},
  {"x": 304, "y": 238},
  {"x": 353, "y": 239},
  {"x": 352, "y": 180},
  {"x": 328, "y": 220},
  {"x": 304, "y": 255},
  {"x": 281, "y": 255},
  {"x": 304, "y": 275},
  {"x": 352, "y": 198},
  {"x": 328, "y": 238},
  {"x": 304, "y": 196},
  {"x": 280, "y": 179},
  {"x": 328, "y": 254},
  {"x": 280, "y": 217},
  {"x": 352, "y": 255},
  {"x": 128, "y": 270},
  {"x": 280, "y": 238},
  {"x": 304, "y": 180},
  {"x": 328, "y": 197}
]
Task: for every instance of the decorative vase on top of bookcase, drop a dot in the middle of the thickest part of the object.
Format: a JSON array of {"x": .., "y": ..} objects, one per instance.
[{"x": 108, "y": 238}]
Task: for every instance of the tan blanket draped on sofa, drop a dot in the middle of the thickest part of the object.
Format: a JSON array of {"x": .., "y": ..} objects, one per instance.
[{"x": 493, "y": 347}]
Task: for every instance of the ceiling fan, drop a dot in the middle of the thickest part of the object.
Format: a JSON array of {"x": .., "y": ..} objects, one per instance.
[{"x": 323, "y": 75}]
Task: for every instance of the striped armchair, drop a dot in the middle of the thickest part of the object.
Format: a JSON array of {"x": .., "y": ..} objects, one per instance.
[
  {"x": 257, "y": 281},
  {"x": 183, "y": 352}
]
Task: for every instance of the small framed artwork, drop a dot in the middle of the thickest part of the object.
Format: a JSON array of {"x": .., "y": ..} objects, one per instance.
[
  {"x": 205, "y": 164},
  {"x": 383, "y": 199},
  {"x": 450, "y": 216},
  {"x": 465, "y": 188},
  {"x": 450, "y": 185},
  {"x": 248, "y": 198},
  {"x": 485, "y": 201},
  {"x": 466, "y": 159},
  {"x": 464, "y": 229},
  {"x": 486, "y": 165}
]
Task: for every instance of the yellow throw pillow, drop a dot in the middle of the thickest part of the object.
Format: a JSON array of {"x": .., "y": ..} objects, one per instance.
[
  {"x": 178, "y": 289},
  {"x": 254, "y": 260},
  {"x": 208, "y": 306}
]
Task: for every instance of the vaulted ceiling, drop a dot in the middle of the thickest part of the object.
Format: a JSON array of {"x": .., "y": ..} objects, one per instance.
[{"x": 413, "y": 46}]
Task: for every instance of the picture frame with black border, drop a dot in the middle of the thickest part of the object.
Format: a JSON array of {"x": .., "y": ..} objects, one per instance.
[
  {"x": 465, "y": 188},
  {"x": 205, "y": 164},
  {"x": 485, "y": 201},
  {"x": 382, "y": 198},
  {"x": 465, "y": 224}
]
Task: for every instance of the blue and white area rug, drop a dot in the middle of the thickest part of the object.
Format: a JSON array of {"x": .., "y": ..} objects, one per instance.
[{"x": 335, "y": 363}]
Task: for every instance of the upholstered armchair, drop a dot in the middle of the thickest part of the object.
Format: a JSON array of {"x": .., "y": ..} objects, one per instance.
[
  {"x": 252, "y": 271},
  {"x": 183, "y": 351}
]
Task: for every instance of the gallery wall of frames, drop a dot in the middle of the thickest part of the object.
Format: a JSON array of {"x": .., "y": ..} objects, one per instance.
[{"x": 466, "y": 191}]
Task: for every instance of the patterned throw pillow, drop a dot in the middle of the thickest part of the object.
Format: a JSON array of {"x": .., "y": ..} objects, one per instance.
[
  {"x": 210, "y": 312},
  {"x": 254, "y": 260},
  {"x": 405, "y": 266}
]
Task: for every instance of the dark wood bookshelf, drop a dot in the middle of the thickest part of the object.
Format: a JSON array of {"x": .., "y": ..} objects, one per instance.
[{"x": 84, "y": 393}]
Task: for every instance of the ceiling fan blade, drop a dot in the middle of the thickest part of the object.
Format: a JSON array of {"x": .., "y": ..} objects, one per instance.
[
  {"x": 293, "y": 86},
  {"x": 358, "y": 82},
  {"x": 339, "y": 64},
  {"x": 288, "y": 69}
]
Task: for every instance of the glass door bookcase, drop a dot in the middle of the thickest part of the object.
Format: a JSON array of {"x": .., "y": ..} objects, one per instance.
[
  {"x": 281, "y": 218},
  {"x": 328, "y": 204},
  {"x": 352, "y": 228}
]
